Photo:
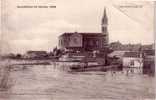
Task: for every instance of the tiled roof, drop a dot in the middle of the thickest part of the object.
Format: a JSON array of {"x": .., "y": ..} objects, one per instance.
[
  {"x": 131, "y": 54},
  {"x": 117, "y": 54}
]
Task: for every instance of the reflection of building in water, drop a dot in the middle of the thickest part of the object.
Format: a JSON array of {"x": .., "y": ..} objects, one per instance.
[{"x": 86, "y": 41}]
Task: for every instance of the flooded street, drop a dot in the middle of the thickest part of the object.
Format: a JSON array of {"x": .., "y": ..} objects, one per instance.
[{"x": 49, "y": 82}]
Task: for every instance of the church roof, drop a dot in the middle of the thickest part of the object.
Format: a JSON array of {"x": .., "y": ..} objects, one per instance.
[{"x": 82, "y": 33}]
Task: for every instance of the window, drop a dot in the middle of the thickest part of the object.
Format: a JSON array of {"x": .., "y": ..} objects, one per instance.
[{"x": 96, "y": 42}]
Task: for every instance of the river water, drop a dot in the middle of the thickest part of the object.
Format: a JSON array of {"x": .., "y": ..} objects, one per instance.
[{"x": 51, "y": 82}]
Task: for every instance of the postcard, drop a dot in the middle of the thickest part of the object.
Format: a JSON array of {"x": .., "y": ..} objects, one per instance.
[{"x": 77, "y": 50}]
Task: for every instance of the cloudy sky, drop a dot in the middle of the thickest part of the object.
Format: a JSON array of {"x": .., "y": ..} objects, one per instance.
[{"x": 38, "y": 28}]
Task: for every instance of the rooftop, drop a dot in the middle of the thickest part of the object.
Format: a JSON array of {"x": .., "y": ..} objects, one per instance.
[
  {"x": 117, "y": 54},
  {"x": 82, "y": 33},
  {"x": 131, "y": 54}
]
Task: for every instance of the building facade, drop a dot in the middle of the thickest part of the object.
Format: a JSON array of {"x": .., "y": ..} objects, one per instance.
[
  {"x": 86, "y": 41},
  {"x": 133, "y": 62}
]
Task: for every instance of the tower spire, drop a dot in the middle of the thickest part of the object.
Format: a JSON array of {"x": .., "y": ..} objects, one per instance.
[
  {"x": 104, "y": 24},
  {"x": 104, "y": 14}
]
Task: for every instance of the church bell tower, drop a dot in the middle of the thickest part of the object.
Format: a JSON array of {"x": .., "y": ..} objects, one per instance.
[{"x": 104, "y": 25}]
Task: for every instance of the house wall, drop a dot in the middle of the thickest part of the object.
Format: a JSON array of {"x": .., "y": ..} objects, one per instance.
[
  {"x": 93, "y": 43},
  {"x": 75, "y": 40},
  {"x": 64, "y": 41},
  {"x": 132, "y": 65},
  {"x": 149, "y": 66},
  {"x": 132, "y": 62},
  {"x": 78, "y": 41}
]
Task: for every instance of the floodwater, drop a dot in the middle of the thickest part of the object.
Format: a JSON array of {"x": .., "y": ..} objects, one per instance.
[{"x": 52, "y": 82}]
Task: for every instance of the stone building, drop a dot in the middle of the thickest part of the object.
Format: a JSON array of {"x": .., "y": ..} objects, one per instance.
[{"x": 86, "y": 41}]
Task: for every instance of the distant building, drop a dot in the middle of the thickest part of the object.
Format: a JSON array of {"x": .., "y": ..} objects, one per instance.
[
  {"x": 115, "y": 46},
  {"x": 148, "y": 47},
  {"x": 130, "y": 47},
  {"x": 81, "y": 41},
  {"x": 149, "y": 61},
  {"x": 36, "y": 54},
  {"x": 149, "y": 65},
  {"x": 126, "y": 47}
]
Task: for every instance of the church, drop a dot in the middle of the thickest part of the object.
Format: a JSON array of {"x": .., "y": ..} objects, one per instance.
[{"x": 86, "y": 42}]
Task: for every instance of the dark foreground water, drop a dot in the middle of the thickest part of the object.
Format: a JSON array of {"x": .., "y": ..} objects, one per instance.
[{"x": 52, "y": 83}]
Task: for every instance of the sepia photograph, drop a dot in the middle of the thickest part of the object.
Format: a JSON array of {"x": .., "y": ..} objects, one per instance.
[{"x": 77, "y": 50}]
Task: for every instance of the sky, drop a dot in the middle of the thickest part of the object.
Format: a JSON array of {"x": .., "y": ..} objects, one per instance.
[{"x": 38, "y": 28}]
